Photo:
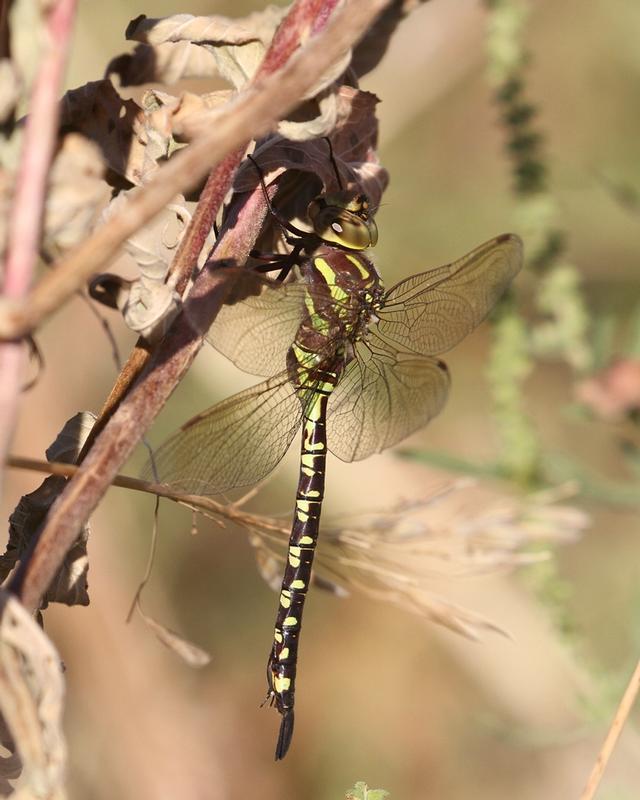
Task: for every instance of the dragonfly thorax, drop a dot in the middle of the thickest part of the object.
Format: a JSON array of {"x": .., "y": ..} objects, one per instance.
[{"x": 343, "y": 220}]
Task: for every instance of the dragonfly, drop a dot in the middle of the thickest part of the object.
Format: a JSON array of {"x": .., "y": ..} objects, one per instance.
[{"x": 356, "y": 367}]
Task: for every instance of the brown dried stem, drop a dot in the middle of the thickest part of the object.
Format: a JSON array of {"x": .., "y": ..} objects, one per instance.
[
  {"x": 26, "y": 213},
  {"x": 251, "y": 114},
  {"x": 622, "y": 713},
  {"x": 230, "y": 511}
]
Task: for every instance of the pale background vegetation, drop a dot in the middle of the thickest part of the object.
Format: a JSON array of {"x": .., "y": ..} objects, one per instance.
[{"x": 382, "y": 696}]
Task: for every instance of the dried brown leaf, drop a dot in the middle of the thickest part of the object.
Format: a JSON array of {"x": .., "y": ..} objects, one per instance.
[
  {"x": 190, "y": 653},
  {"x": 237, "y": 46},
  {"x": 202, "y": 30},
  {"x": 163, "y": 63},
  {"x": 154, "y": 246},
  {"x": 69, "y": 442},
  {"x": 353, "y": 139},
  {"x": 148, "y": 304},
  {"x": 185, "y": 112},
  {"x": 70, "y": 583},
  {"x": 78, "y": 193},
  {"x": 31, "y": 703},
  {"x": 98, "y": 112}
]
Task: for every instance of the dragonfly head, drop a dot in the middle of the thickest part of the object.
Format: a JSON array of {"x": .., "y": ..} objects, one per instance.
[{"x": 343, "y": 219}]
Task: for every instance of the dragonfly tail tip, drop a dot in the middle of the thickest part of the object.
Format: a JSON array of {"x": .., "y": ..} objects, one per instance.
[{"x": 285, "y": 735}]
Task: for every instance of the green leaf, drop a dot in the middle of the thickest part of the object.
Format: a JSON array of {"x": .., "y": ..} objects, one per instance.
[{"x": 362, "y": 792}]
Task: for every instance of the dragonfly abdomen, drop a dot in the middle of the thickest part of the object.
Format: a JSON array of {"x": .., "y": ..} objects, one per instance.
[{"x": 295, "y": 584}]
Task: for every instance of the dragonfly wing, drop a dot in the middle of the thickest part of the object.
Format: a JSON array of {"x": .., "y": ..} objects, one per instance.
[
  {"x": 381, "y": 398},
  {"x": 256, "y": 332},
  {"x": 235, "y": 443},
  {"x": 431, "y": 312}
]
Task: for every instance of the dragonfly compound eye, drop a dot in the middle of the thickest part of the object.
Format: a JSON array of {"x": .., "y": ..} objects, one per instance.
[{"x": 342, "y": 227}]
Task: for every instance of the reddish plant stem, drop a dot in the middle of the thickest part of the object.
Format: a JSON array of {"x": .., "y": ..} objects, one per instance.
[
  {"x": 39, "y": 143},
  {"x": 305, "y": 17},
  {"x": 26, "y": 213}
]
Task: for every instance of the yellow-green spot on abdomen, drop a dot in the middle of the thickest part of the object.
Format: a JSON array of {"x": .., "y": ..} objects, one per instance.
[
  {"x": 290, "y": 622},
  {"x": 284, "y": 654},
  {"x": 281, "y": 684},
  {"x": 285, "y": 600},
  {"x": 302, "y": 510},
  {"x": 315, "y": 412},
  {"x": 297, "y": 584},
  {"x": 309, "y": 429}
]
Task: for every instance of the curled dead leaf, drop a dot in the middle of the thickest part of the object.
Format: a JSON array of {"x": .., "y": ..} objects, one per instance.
[
  {"x": 31, "y": 703},
  {"x": 98, "y": 112},
  {"x": 133, "y": 139},
  {"x": 148, "y": 304},
  {"x": 69, "y": 585},
  {"x": 237, "y": 46},
  {"x": 163, "y": 63},
  {"x": 154, "y": 246},
  {"x": 77, "y": 194},
  {"x": 187, "y": 112},
  {"x": 353, "y": 141}
]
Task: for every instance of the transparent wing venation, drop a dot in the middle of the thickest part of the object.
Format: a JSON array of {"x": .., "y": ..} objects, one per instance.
[
  {"x": 431, "y": 312},
  {"x": 391, "y": 387},
  {"x": 235, "y": 443}
]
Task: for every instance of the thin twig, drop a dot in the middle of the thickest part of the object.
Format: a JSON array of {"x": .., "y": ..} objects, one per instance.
[
  {"x": 253, "y": 113},
  {"x": 26, "y": 213},
  {"x": 229, "y": 511},
  {"x": 135, "y": 603},
  {"x": 626, "y": 704}
]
